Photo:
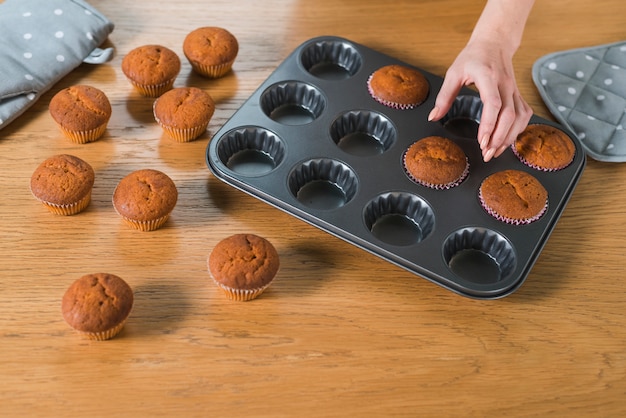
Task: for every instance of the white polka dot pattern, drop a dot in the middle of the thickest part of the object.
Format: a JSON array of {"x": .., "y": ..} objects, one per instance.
[
  {"x": 40, "y": 42},
  {"x": 585, "y": 90}
]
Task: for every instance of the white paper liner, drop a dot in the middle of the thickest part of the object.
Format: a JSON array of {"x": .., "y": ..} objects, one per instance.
[
  {"x": 178, "y": 134},
  {"x": 241, "y": 295},
  {"x": 83, "y": 137},
  {"x": 512, "y": 221},
  {"x": 536, "y": 167},
  {"x": 393, "y": 105},
  {"x": 154, "y": 90},
  {"x": 68, "y": 210},
  {"x": 445, "y": 186}
]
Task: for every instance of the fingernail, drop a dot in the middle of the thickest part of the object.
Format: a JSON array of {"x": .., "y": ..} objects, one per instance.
[
  {"x": 484, "y": 141},
  {"x": 433, "y": 113},
  {"x": 487, "y": 156}
]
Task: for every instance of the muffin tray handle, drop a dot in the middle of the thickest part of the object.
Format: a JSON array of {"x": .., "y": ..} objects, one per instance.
[{"x": 312, "y": 142}]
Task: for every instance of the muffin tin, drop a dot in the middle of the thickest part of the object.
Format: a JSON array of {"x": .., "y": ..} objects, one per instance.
[{"x": 312, "y": 142}]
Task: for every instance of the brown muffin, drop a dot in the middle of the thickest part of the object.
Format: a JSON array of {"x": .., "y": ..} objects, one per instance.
[
  {"x": 398, "y": 86},
  {"x": 145, "y": 199},
  {"x": 81, "y": 112},
  {"x": 243, "y": 266},
  {"x": 211, "y": 51},
  {"x": 97, "y": 305},
  {"x": 152, "y": 69},
  {"x": 436, "y": 162},
  {"x": 184, "y": 113},
  {"x": 63, "y": 183},
  {"x": 514, "y": 197},
  {"x": 544, "y": 147}
]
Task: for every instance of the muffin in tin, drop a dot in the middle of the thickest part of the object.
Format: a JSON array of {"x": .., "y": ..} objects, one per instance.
[
  {"x": 513, "y": 196},
  {"x": 436, "y": 162},
  {"x": 544, "y": 147},
  {"x": 398, "y": 86}
]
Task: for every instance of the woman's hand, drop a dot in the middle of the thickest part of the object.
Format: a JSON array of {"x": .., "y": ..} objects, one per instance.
[
  {"x": 505, "y": 113},
  {"x": 487, "y": 63}
]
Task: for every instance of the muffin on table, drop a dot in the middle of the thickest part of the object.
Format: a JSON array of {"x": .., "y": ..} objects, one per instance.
[
  {"x": 152, "y": 69},
  {"x": 398, "y": 86},
  {"x": 63, "y": 183},
  {"x": 184, "y": 113},
  {"x": 243, "y": 266},
  {"x": 145, "y": 199},
  {"x": 513, "y": 196},
  {"x": 97, "y": 305},
  {"x": 81, "y": 112},
  {"x": 211, "y": 51},
  {"x": 544, "y": 147},
  {"x": 436, "y": 162}
]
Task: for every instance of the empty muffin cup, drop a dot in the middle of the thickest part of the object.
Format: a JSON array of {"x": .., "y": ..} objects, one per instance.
[
  {"x": 463, "y": 118},
  {"x": 363, "y": 133},
  {"x": 331, "y": 59},
  {"x": 323, "y": 183},
  {"x": 250, "y": 150},
  {"x": 479, "y": 255},
  {"x": 292, "y": 103},
  {"x": 399, "y": 218}
]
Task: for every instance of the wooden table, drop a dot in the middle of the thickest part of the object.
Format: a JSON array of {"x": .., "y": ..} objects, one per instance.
[{"x": 340, "y": 332}]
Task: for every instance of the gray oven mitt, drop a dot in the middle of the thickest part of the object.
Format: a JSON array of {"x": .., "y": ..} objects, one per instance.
[
  {"x": 585, "y": 90},
  {"x": 40, "y": 42}
]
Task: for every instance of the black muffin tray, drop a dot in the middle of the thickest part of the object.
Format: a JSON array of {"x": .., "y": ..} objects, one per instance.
[{"x": 312, "y": 142}]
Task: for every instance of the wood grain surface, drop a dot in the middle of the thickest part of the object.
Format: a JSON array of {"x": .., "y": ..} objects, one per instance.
[{"x": 340, "y": 332}]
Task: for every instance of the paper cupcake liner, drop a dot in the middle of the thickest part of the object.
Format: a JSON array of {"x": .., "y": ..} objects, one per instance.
[
  {"x": 535, "y": 166},
  {"x": 240, "y": 295},
  {"x": 388, "y": 103},
  {"x": 445, "y": 186},
  {"x": 154, "y": 90},
  {"x": 212, "y": 71},
  {"x": 83, "y": 137},
  {"x": 70, "y": 209},
  {"x": 145, "y": 226},
  {"x": 182, "y": 135},
  {"x": 507, "y": 220},
  {"x": 104, "y": 335}
]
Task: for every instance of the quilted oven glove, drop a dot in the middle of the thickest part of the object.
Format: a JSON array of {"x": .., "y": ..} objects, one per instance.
[
  {"x": 40, "y": 42},
  {"x": 585, "y": 90}
]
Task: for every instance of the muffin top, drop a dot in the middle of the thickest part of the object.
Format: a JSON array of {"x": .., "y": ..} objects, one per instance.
[
  {"x": 210, "y": 45},
  {"x": 80, "y": 108},
  {"x": 437, "y": 162},
  {"x": 244, "y": 261},
  {"x": 514, "y": 195},
  {"x": 145, "y": 195},
  {"x": 544, "y": 147},
  {"x": 97, "y": 302},
  {"x": 184, "y": 108},
  {"x": 398, "y": 86},
  {"x": 62, "y": 180},
  {"x": 151, "y": 65}
]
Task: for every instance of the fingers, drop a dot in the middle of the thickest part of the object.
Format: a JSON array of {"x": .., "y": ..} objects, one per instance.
[
  {"x": 446, "y": 96},
  {"x": 504, "y": 113},
  {"x": 511, "y": 119}
]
